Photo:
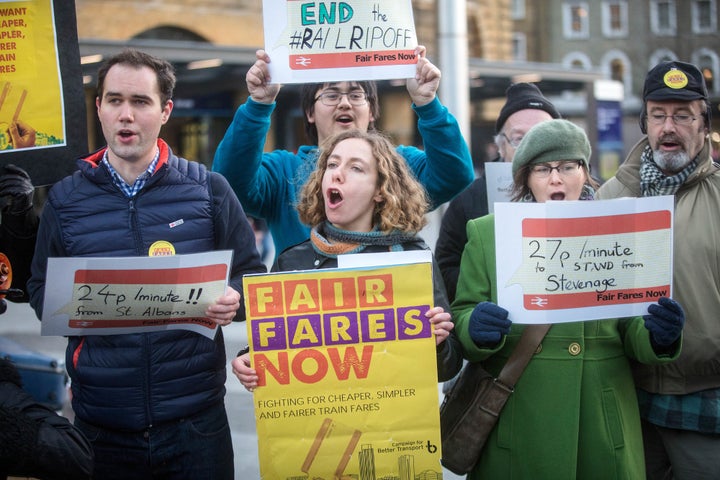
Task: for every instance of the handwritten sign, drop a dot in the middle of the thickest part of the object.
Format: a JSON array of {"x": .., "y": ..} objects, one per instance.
[
  {"x": 336, "y": 41},
  {"x": 347, "y": 372},
  {"x": 109, "y": 296},
  {"x": 571, "y": 261},
  {"x": 499, "y": 182}
]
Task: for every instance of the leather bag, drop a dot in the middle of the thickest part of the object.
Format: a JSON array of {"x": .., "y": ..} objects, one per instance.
[{"x": 472, "y": 407}]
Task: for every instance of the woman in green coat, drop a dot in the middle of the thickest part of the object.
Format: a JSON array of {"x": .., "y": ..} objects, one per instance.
[{"x": 574, "y": 413}]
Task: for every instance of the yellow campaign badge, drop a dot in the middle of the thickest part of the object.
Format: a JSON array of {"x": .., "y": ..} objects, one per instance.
[
  {"x": 161, "y": 248},
  {"x": 675, "y": 79}
]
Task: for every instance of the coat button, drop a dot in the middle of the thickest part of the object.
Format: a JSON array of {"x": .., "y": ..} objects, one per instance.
[
  {"x": 317, "y": 262},
  {"x": 574, "y": 349},
  {"x": 538, "y": 349}
]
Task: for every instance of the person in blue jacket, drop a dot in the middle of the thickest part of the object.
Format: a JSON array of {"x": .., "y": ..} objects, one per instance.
[
  {"x": 268, "y": 183},
  {"x": 151, "y": 404}
]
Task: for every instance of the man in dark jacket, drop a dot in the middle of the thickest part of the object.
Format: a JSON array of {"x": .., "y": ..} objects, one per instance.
[
  {"x": 34, "y": 440},
  {"x": 525, "y": 107},
  {"x": 152, "y": 404}
]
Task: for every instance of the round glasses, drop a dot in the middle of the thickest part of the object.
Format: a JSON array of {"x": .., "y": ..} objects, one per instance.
[
  {"x": 564, "y": 169},
  {"x": 330, "y": 99},
  {"x": 677, "y": 119}
]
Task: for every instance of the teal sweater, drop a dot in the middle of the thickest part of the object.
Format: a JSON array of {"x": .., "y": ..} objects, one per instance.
[{"x": 268, "y": 184}]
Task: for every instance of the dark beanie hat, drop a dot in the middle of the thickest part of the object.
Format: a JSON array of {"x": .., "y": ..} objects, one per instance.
[
  {"x": 523, "y": 96},
  {"x": 552, "y": 141},
  {"x": 674, "y": 81}
]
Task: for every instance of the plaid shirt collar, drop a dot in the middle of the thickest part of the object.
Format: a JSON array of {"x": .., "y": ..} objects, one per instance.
[{"x": 131, "y": 190}]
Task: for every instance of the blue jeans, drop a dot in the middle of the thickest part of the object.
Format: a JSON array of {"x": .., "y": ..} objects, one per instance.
[{"x": 197, "y": 447}]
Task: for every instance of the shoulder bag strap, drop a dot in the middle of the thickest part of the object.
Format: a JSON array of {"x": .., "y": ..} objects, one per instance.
[{"x": 529, "y": 340}]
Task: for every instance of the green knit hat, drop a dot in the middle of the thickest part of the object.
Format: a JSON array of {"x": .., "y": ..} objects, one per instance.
[{"x": 552, "y": 141}]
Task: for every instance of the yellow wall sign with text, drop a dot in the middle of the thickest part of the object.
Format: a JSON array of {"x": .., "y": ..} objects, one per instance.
[
  {"x": 348, "y": 377},
  {"x": 30, "y": 82}
]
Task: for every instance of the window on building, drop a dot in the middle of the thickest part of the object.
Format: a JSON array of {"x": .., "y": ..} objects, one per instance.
[
  {"x": 577, "y": 61},
  {"x": 615, "y": 18},
  {"x": 661, "y": 55},
  {"x": 703, "y": 16},
  {"x": 575, "y": 20},
  {"x": 519, "y": 42},
  {"x": 617, "y": 70},
  {"x": 708, "y": 63},
  {"x": 518, "y": 9},
  {"x": 616, "y": 64},
  {"x": 663, "y": 17}
]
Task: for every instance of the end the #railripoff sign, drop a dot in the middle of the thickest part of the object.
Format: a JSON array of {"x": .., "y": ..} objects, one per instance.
[{"x": 339, "y": 41}]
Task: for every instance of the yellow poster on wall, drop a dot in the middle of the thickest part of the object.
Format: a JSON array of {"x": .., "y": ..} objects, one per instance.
[
  {"x": 31, "y": 100},
  {"x": 347, "y": 373}
]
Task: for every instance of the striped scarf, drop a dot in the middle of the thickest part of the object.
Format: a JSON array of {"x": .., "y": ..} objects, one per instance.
[
  {"x": 330, "y": 241},
  {"x": 654, "y": 182}
]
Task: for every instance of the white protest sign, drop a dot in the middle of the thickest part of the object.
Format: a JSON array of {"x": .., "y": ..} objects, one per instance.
[
  {"x": 339, "y": 41},
  {"x": 114, "y": 295},
  {"x": 583, "y": 260},
  {"x": 382, "y": 259},
  {"x": 499, "y": 182}
]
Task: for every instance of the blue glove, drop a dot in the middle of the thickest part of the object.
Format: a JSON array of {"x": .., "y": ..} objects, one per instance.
[
  {"x": 488, "y": 323},
  {"x": 665, "y": 321}
]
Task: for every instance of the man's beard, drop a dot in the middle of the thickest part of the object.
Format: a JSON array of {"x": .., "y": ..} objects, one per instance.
[{"x": 671, "y": 162}]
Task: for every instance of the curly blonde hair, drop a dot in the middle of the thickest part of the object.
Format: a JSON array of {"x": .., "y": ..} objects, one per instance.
[{"x": 404, "y": 201}]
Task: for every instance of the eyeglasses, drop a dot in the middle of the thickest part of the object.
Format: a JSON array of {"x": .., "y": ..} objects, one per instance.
[
  {"x": 331, "y": 98},
  {"x": 565, "y": 169},
  {"x": 515, "y": 141},
  {"x": 677, "y": 119}
]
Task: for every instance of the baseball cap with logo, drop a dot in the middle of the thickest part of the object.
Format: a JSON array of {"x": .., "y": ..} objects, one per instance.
[{"x": 674, "y": 81}]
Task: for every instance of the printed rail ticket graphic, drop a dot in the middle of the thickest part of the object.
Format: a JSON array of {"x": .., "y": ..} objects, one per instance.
[
  {"x": 336, "y": 41},
  {"x": 571, "y": 261},
  {"x": 109, "y": 296},
  {"x": 347, "y": 372}
]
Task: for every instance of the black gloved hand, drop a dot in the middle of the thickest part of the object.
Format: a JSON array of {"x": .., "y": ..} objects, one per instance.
[
  {"x": 665, "y": 321},
  {"x": 488, "y": 323},
  {"x": 16, "y": 190}
]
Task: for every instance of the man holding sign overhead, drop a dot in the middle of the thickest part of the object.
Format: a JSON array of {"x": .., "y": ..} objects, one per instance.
[
  {"x": 268, "y": 184},
  {"x": 151, "y": 404},
  {"x": 680, "y": 402}
]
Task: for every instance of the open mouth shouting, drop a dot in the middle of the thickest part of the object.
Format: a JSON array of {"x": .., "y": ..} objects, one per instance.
[
  {"x": 333, "y": 197},
  {"x": 125, "y": 134},
  {"x": 669, "y": 142},
  {"x": 344, "y": 119}
]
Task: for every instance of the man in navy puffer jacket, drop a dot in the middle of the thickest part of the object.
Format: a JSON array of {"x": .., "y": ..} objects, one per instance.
[{"x": 151, "y": 404}]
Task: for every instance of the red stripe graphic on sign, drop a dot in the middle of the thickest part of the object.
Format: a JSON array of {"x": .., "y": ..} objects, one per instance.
[
  {"x": 588, "y": 226},
  {"x": 561, "y": 301},
  {"x": 359, "y": 59},
  {"x": 125, "y": 323},
  {"x": 169, "y": 276}
]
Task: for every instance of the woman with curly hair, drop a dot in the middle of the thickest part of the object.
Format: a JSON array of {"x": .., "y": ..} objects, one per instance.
[{"x": 362, "y": 198}]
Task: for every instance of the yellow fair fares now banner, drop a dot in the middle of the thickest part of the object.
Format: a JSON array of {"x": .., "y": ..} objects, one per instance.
[{"x": 348, "y": 377}]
